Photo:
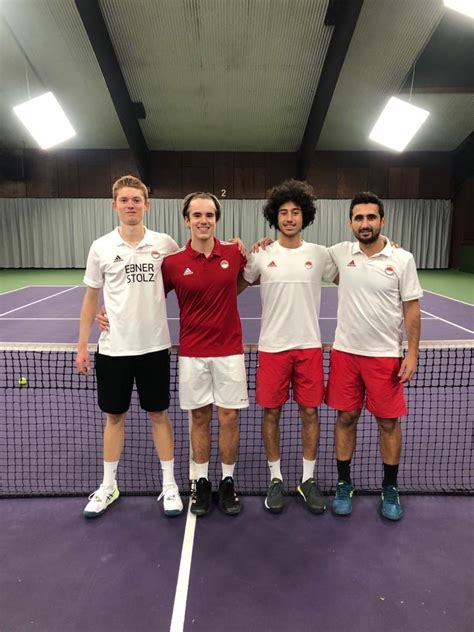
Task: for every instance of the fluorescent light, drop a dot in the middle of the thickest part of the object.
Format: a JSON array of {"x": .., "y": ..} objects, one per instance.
[
  {"x": 463, "y": 6},
  {"x": 397, "y": 124},
  {"x": 44, "y": 118}
]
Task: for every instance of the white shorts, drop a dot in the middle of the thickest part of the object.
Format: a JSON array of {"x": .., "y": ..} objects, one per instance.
[{"x": 221, "y": 381}]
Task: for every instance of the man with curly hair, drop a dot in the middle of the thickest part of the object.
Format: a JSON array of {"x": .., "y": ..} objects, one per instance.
[{"x": 290, "y": 272}]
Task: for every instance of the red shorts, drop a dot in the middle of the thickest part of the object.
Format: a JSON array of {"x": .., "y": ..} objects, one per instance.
[
  {"x": 353, "y": 378},
  {"x": 302, "y": 368}
]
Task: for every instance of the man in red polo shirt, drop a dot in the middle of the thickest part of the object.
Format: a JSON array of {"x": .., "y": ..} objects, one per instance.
[{"x": 211, "y": 361}]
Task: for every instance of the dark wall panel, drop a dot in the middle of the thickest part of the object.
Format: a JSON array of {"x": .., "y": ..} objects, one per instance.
[
  {"x": 403, "y": 182},
  {"x": 249, "y": 182},
  {"x": 68, "y": 174},
  {"x": 462, "y": 231},
  {"x": 435, "y": 183},
  {"x": 90, "y": 173},
  {"x": 94, "y": 173},
  {"x": 224, "y": 175},
  {"x": 122, "y": 163},
  {"x": 323, "y": 177},
  {"x": 278, "y": 168},
  {"x": 166, "y": 174},
  {"x": 350, "y": 180},
  {"x": 42, "y": 174},
  {"x": 198, "y": 179},
  {"x": 12, "y": 188},
  {"x": 249, "y": 159}
]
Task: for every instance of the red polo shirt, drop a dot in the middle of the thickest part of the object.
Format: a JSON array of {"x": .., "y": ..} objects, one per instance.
[{"x": 206, "y": 288}]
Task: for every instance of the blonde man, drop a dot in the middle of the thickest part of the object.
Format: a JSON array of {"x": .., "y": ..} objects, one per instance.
[{"x": 126, "y": 265}]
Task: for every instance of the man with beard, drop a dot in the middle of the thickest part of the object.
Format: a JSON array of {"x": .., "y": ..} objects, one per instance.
[{"x": 378, "y": 290}]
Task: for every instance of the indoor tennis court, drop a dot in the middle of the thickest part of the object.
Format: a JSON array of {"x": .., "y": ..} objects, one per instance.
[
  {"x": 181, "y": 566},
  {"x": 232, "y": 97}
]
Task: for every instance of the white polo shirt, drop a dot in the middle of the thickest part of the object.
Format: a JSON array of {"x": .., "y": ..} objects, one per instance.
[
  {"x": 371, "y": 292},
  {"x": 290, "y": 288},
  {"x": 133, "y": 292}
]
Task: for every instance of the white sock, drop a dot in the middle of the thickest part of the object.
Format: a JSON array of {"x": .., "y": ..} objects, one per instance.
[
  {"x": 167, "y": 469},
  {"x": 308, "y": 469},
  {"x": 228, "y": 470},
  {"x": 275, "y": 471},
  {"x": 110, "y": 474},
  {"x": 201, "y": 470}
]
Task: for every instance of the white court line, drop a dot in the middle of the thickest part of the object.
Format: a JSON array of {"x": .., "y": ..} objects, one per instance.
[
  {"x": 15, "y": 318},
  {"x": 46, "y": 298},
  {"x": 55, "y": 285},
  {"x": 181, "y": 594},
  {"x": 449, "y": 298},
  {"x": 447, "y": 321},
  {"x": 18, "y": 289},
  {"x": 177, "y": 318}
]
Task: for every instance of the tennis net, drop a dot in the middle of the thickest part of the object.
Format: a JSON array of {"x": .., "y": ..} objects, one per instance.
[{"x": 51, "y": 430}]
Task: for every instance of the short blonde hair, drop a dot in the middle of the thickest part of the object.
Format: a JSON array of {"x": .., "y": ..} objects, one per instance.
[{"x": 129, "y": 181}]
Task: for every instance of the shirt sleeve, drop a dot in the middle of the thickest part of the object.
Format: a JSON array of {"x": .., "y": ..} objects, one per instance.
[
  {"x": 330, "y": 270},
  {"x": 251, "y": 272},
  {"x": 93, "y": 276},
  {"x": 171, "y": 246},
  {"x": 167, "y": 280},
  {"x": 410, "y": 288}
]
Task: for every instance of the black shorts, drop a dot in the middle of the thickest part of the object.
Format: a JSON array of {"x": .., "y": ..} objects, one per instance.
[{"x": 116, "y": 375}]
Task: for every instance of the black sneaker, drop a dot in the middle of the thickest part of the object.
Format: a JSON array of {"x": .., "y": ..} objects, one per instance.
[
  {"x": 201, "y": 498},
  {"x": 312, "y": 496},
  {"x": 274, "y": 502},
  {"x": 229, "y": 502}
]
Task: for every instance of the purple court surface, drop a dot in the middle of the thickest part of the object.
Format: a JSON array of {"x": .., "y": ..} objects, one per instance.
[
  {"x": 51, "y": 314},
  {"x": 293, "y": 572},
  {"x": 133, "y": 570}
]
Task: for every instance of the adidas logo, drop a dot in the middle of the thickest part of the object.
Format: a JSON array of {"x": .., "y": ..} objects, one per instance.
[
  {"x": 272, "y": 264},
  {"x": 187, "y": 272},
  {"x": 117, "y": 259},
  {"x": 351, "y": 264}
]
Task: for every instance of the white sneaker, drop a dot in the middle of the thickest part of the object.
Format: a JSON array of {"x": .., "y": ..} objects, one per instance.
[
  {"x": 172, "y": 503},
  {"x": 99, "y": 501}
]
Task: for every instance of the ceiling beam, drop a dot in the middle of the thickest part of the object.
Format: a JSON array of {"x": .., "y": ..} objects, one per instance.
[
  {"x": 343, "y": 15},
  {"x": 96, "y": 30}
]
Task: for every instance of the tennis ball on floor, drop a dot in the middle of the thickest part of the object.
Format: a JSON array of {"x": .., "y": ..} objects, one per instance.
[{"x": 22, "y": 381}]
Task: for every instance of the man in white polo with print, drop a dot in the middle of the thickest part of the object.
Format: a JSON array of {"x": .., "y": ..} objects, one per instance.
[
  {"x": 378, "y": 291},
  {"x": 126, "y": 264},
  {"x": 290, "y": 271}
]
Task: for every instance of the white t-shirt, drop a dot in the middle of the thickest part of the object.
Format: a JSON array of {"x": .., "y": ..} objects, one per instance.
[
  {"x": 133, "y": 292},
  {"x": 290, "y": 287},
  {"x": 371, "y": 292}
]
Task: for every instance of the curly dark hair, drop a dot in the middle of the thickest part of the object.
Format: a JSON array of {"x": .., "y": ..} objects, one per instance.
[
  {"x": 366, "y": 197},
  {"x": 301, "y": 193}
]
